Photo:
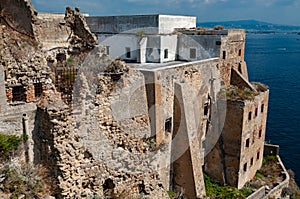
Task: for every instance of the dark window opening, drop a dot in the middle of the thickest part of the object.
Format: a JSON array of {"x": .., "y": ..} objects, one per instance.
[
  {"x": 206, "y": 109},
  {"x": 253, "y": 137},
  {"x": 60, "y": 57},
  {"x": 245, "y": 167},
  {"x": 240, "y": 68},
  {"x": 193, "y": 53},
  {"x": 218, "y": 43},
  {"x": 262, "y": 108},
  {"x": 168, "y": 125},
  {"x": 5, "y": 74},
  {"x": 128, "y": 52},
  {"x": 108, "y": 184},
  {"x": 250, "y": 115},
  {"x": 260, "y": 133},
  {"x": 150, "y": 51},
  {"x": 18, "y": 94},
  {"x": 248, "y": 142},
  {"x": 240, "y": 52},
  {"x": 224, "y": 54},
  {"x": 251, "y": 162},
  {"x": 166, "y": 54},
  {"x": 258, "y": 155},
  {"x": 107, "y": 50},
  {"x": 256, "y": 112},
  {"x": 38, "y": 90}
]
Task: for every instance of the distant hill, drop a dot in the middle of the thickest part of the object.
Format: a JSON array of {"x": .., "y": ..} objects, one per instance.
[{"x": 251, "y": 25}]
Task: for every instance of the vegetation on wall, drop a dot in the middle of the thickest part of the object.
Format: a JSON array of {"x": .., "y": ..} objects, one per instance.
[
  {"x": 216, "y": 190},
  {"x": 9, "y": 144},
  {"x": 21, "y": 179},
  {"x": 235, "y": 93},
  {"x": 260, "y": 87},
  {"x": 25, "y": 180}
]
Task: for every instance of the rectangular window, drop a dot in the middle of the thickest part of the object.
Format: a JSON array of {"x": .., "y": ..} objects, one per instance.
[
  {"x": 224, "y": 54},
  {"x": 127, "y": 52},
  {"x": 240, "y": 68},
  {"x": 262, "y": 108},
  {"x": 248, "y": 142},
  {"x": 38, "y": 90},
  {"x": 107, "y": 50},
  {"x": 166, "y": 54},
  {"x": 240, "y": 52},
  {"x": 193, "y": 53},
  {"x": 260, "y": 133},
  {"x": 168, "y": 125},
  {"x": 18, "y": 93},
  {"x": 250, "y": 115},
  {"x": 251, "y": 162},
  {"x": 206, "y": 109},
  {"x": 258, "y": 155},
  {"x": 245, "y": 167},
  {"x": 256, "y": 112}
]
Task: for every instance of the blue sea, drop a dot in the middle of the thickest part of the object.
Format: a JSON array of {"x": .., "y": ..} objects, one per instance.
[{"x": 274, "y": 59}]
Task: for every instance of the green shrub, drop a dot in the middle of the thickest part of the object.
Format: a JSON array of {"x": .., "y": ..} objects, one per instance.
[
  {"x": 69, "y": 61},
  {"x": 140, "y": 33},
  {"x": 28, "y": 180},
  {"x": 259, "y": 175},
  {"x": 215, "y": 190},
  {"x": 171, "y": 194},
  {"x": 9, "y": 143},
  {"x": 269, "y": 158}
]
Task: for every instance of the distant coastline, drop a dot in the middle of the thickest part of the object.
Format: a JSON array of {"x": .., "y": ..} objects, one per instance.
[{"x": 254, "y": 26}]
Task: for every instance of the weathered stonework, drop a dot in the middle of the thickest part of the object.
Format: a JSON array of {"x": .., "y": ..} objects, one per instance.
[
  {"x": 130, "y": 130},
  {"x": 18, "y": 14}
]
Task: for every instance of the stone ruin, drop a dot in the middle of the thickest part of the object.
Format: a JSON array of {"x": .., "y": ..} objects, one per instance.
[
  {"x": 65, "y": 138},
  {"x": 107, "y": 129}
]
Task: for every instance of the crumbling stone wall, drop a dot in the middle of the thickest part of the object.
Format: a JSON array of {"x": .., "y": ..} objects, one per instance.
[
  {"x": 24, "y": 63},
  {"x": 81, "y": 31},
  {"x": 232, "y": 54},
  {"x": 239, "y": 151},
  {"x": 97, "y": 150},
  {"x": 51, "y": 31},
  {"x": 74, "y": 34},
  {"x": 204, "y": 81},
  {"x": 253, "y": 131},
  {"x": 2, "y": 92},
  {"x": 19, "y": 15}
]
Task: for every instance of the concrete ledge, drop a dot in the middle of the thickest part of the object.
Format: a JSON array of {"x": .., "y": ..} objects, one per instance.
[
  {"x": 259, "y": 194},
  {"x": 275, "y": 192}
]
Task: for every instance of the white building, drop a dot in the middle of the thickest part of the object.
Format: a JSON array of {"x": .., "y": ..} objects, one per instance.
[{"x": 153, "y": 38}]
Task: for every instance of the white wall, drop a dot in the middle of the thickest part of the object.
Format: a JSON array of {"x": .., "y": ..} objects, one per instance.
[
  {"x": 168, "y": 42},
  {"x": 118, "y": 43},
  {"x": 167, "y": 23},
  {"x": 153, "y": 51},
  {"x": 206, "y": 47}
]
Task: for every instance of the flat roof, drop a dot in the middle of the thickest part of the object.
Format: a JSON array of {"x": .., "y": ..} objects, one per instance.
[
  {"x": 137, "y": 15},
  {"x": 162, "y": 66}
]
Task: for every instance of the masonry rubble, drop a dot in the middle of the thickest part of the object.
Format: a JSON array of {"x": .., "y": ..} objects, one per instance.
[{"x": 115, "y": 136}]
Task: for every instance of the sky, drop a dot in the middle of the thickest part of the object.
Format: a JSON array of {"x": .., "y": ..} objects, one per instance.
[{"x": 273, "y": 11}]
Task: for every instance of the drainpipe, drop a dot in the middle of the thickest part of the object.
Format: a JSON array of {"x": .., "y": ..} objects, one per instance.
[{"x": 26, "y": 134}]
